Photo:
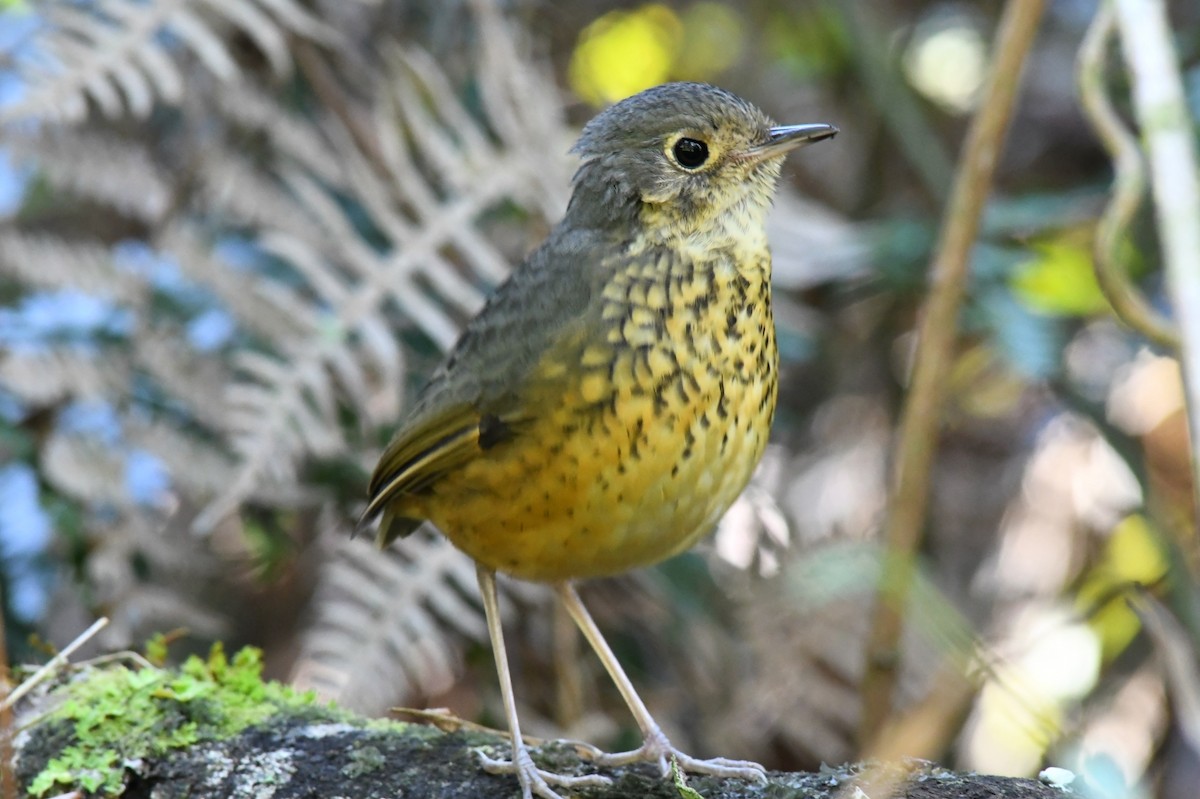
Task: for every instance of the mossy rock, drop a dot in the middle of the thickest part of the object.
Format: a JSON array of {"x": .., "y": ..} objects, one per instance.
[{"x": 215, "y": 728}]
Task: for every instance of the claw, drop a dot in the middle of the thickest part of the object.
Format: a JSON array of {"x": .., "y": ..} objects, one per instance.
[
  {"x": 535, "y": 780},
  {"x": 658, "y": 749}
]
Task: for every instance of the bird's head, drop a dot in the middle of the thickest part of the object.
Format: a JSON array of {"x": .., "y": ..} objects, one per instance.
[{"x": 683, "y": 163}]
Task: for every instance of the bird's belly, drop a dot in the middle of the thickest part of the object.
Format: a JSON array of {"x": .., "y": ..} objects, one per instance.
[
  {"x": 634, "y": 434},
  {"x": 591, "y": 491}
]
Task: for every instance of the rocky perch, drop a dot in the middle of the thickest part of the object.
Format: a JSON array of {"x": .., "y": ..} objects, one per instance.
[{"x": 214, "y": 728}]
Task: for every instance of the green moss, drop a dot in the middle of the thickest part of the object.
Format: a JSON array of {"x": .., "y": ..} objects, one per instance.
[
  {"x": 384, "y": 725},
  {"x": 118, "y": 714}
]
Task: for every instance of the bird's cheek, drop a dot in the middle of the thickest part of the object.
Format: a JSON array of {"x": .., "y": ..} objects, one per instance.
[{"x": 660, "y": 192}]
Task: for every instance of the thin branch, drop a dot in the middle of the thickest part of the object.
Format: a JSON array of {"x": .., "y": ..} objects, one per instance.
[
  {"x": 53, "y": 664},
  {"x": 1129, "y": 185},
  {"x": 1169, "y": 136},
  {"x": 936, "y": 336},
  {"x": 1178, "y": 663}
]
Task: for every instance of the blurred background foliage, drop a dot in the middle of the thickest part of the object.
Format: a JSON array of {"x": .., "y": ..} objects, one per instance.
[{"x": 234, "y": 238}]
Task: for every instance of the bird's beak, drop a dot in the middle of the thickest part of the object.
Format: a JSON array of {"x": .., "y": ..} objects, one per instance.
[{"x": 786, "y": 138}]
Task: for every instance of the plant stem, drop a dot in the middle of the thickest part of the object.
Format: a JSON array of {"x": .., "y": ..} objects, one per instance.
[
  {"x": 1129, "y": 184},
  {"x": 935, "y": 350},
  {"x": 1169, "y": 136},
  {"x": 55, "y": 663}
]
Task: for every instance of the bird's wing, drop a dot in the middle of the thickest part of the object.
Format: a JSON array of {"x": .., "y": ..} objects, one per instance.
[
  {"x": 475, "y": 400},
  {"x": 414, "y": 460}
]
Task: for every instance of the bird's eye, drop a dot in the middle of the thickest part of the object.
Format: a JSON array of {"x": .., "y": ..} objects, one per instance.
[{"x": 690, "y": 153}]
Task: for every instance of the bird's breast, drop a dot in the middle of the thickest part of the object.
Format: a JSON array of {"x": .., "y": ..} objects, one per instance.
[{"x": 643, "y": 427}]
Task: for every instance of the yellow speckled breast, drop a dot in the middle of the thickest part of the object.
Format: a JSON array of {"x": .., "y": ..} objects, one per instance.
[{"x": 642, "y": 429}]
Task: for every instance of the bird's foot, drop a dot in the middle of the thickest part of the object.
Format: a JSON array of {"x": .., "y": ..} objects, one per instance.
[
  {"x": 657, "y": 748},
  {"x": 535, "y": 781}
]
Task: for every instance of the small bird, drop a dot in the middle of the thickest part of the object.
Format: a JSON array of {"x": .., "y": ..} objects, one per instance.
[{"x": 609, "y": 402}]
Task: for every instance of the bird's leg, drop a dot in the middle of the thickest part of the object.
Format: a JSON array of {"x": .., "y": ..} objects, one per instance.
[
  {"x": 655, "y": 746},
  {"x": 533, "y": 780}
]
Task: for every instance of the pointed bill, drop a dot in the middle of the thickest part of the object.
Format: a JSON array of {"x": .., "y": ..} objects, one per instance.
[{"x": 785, "y": 138}]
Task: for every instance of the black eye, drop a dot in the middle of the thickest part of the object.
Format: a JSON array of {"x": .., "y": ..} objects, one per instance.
[{"x": 690, "y": 153}]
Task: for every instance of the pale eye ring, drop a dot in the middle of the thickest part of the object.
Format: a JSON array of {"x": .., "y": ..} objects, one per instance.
[{"x": 690, "y": 153}]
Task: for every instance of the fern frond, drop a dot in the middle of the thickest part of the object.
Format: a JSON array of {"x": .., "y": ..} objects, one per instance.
[
  {"x": 525, "y": 109},
  {"x": 84, "y": 468},
  {"x": 260, "y": 29},
  {"x": 46, "y": 377},
  {"x": 190, "y": 379},
  {"x": 115, "y": 52},
  {"x": 269, "y": 309},
  {"x": 281, "y": 410},
  {"x": 380, "y": 275},
  {"x": 196, "y": 467},
  {"x": 388, "y": 623},
  {"x": 293, "y": 139},
  {"x": 237, "y": 190},
  {"x": 418, "y": 243},
  {"x": 295, "y": 403},
  {"x": 152, "y": 576},
  {"x": 445, "y": 171},
  {"x": 110, "y": 171},
  {"x": 533, "y": 171},
  {"x": 43, "y": 261},
  {"x": 370, "y": 371}
]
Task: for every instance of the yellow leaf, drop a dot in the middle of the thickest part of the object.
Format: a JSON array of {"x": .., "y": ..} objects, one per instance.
[
  {"x": 623, "y": 52},
  {"x": 1060, "y": 280},
  {"x": 1133, "y": 554}
]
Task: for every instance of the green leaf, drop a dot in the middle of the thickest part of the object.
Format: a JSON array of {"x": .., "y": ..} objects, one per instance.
[
  {"x": 156, "y": 649},
  {"x": 1060, "y": 280}
]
